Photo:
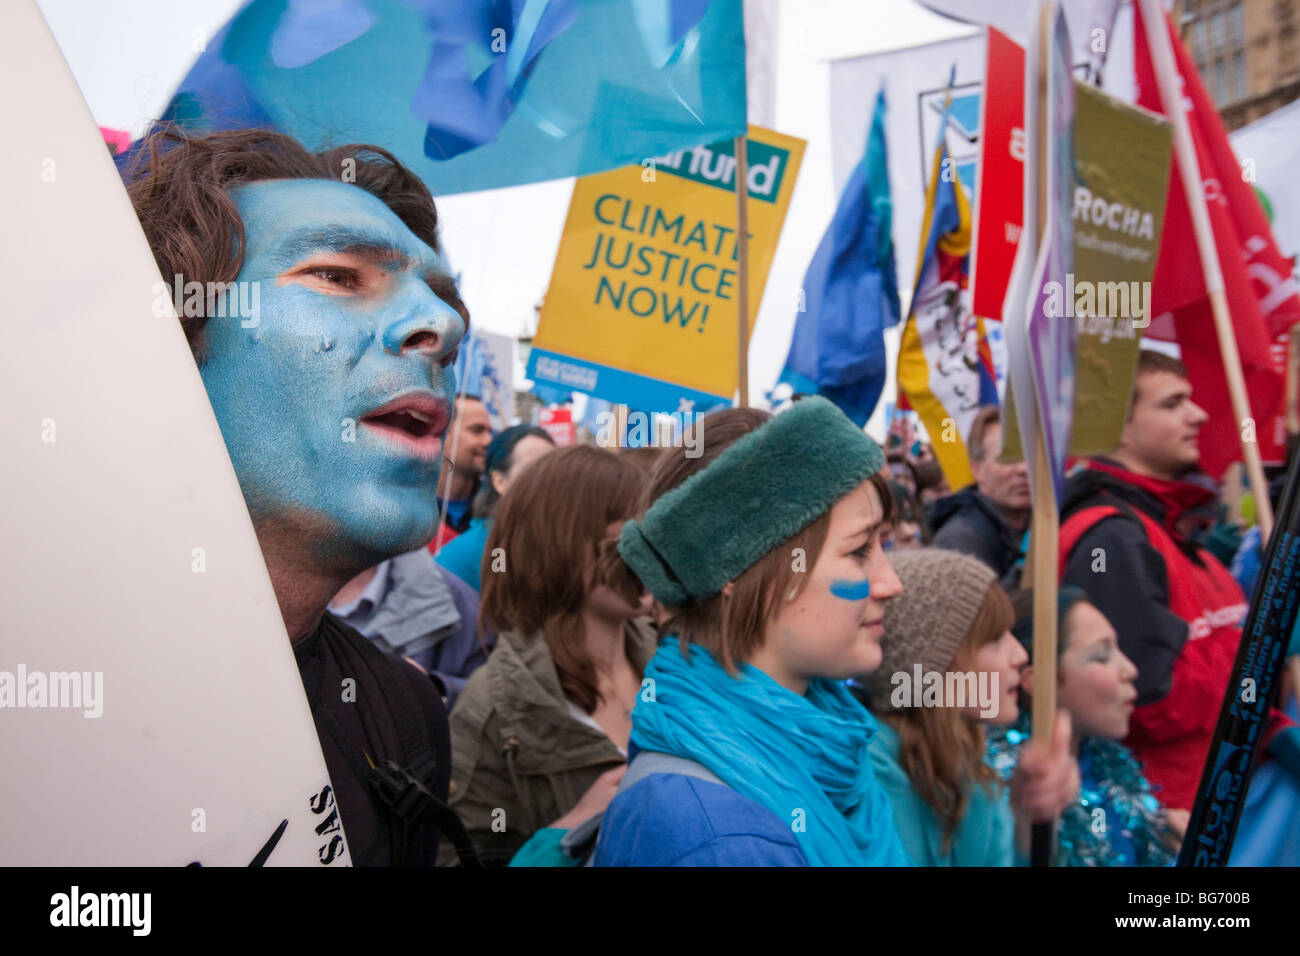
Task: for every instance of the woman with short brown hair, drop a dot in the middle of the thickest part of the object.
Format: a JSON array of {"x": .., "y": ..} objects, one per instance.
[
  {"x": 764, "y": 556},
  {"x": 540, "y": 732}
]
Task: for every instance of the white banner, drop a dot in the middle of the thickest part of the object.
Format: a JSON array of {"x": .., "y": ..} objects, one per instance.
[{"x": 1269, "y": 151}]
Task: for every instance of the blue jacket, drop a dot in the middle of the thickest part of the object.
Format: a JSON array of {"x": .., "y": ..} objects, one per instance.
[
  {"x": 463, "y": 554},
  {"x": 670, "y": 819}
]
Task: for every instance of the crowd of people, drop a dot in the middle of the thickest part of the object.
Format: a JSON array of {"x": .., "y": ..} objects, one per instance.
[{"x": 789, "y": 649}]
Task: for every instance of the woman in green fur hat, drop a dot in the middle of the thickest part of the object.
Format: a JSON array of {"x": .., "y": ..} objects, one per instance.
[{"x": 763, "y": 554}]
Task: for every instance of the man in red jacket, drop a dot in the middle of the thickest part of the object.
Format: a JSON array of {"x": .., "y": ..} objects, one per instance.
[{"x": 1128, "y": 526}]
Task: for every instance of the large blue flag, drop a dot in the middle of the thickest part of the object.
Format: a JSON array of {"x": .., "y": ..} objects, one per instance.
[
  {"x": 850, "y": 292},
  {"x": 476, "y": 94}
]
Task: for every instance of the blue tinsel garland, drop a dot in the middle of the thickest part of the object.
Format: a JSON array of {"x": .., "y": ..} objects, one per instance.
[{"x": 1112, "y": 780}]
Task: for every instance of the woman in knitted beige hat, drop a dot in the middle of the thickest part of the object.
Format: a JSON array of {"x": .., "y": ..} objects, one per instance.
[{"x": 951, "y": 665}]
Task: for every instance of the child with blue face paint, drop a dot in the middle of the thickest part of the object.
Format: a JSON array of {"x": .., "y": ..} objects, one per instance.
[
  {"x": 747, "y": 748},
  {"x": 332, "y": 396},
  {"x": 1116, "y": 819}
]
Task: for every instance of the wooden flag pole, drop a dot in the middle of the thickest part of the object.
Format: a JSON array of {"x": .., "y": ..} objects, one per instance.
[
  {"x": 1046, "y": 538},
  {"x": 742, "y": 271},
  {"x": 1045, "y": 533},
  {"x": 1292, "y": 428},
  {"x": 1233, "y": 490},
  {"x": 1293, "y": 382},
  {"x": 1171, "y": 98}
]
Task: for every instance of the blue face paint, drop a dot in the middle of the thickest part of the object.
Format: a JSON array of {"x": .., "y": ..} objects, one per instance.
[
  {"x": 851, "y": 590},
  {"x": 292, "y": 388}
]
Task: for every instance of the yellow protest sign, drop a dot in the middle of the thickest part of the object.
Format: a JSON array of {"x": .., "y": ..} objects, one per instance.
[{"x": 642, "y": 306}]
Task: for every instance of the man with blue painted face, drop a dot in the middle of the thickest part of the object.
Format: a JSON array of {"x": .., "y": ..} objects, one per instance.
[{"x": 333, "y": 395}]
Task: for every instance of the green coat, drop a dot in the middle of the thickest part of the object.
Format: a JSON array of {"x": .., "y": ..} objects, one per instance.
[{"x": 517, "y": 749}]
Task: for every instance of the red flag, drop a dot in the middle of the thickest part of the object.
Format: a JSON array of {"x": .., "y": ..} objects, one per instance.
[
  {"x": 1263, "y": 297},
  {"x": 999, "y": 204}
]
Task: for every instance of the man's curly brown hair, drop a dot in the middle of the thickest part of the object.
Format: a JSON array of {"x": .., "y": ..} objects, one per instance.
[{"x": 180, "y": 187}]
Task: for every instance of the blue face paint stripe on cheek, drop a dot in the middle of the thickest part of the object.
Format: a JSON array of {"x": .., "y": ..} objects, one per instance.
[{"x": 851, "y": 590}]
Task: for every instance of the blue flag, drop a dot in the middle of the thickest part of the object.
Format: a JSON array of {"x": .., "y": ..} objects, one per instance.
[
  {"x": 476, "y": 375},
  {"x": 552, "y": 394},
  {"x": 850, "y": 292},
  {"x": 477, "y": 94},
  {"x": 591, "y": 417}
]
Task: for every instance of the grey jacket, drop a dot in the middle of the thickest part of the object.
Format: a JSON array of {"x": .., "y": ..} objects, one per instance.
[{"x": 414, "y": 608}]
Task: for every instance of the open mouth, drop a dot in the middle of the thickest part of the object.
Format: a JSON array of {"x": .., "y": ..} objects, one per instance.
[{"x": 413, "y": 422}]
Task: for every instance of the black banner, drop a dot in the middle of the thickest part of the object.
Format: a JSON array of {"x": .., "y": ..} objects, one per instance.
[{"x": 1256, "y": 677}]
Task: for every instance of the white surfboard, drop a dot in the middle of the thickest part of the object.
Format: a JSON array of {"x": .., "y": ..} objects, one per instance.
[{"x": 128, "y": 555}]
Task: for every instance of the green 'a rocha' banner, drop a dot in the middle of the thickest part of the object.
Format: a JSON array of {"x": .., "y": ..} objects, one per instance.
[{"x": 1122, "y": 164}]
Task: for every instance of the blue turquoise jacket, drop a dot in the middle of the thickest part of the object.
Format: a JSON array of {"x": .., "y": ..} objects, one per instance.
[
  {"x": 463, "y": 554},
  {"x": 984, "y": 837}
]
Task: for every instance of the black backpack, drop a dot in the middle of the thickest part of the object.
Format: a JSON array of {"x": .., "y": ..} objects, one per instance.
[{"x": 404, "y": 766}]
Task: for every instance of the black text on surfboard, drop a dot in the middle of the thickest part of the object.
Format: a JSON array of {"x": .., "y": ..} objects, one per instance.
[{"x": 323, "y": 805}]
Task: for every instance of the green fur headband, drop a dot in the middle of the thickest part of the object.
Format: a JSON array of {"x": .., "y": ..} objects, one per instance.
[{"x": 765, "y": 488}]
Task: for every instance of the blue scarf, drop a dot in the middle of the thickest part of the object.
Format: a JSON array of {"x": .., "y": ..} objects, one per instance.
[{"x": 804, "y": 758}]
